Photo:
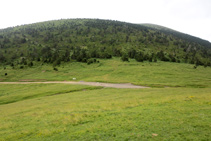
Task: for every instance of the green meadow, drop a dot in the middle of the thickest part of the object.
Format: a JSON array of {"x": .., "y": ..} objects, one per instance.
[
  {"x": 176, "y": 107},
  {"x": 159, "y": 74}
]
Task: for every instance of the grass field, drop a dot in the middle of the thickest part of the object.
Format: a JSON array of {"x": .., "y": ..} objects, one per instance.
[
  {"x": 14, "y": 93},
  {"x": 76, "y": 112},
  {"x": 109, "y": 114},
  {"x": 150, "y": 74}
]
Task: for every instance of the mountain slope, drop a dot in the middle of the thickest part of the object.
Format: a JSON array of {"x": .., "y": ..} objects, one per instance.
[
  {"x": 158, "y": 27},
  {"x": 84, "y": 39},
  {"x": 179, "y": 34}
]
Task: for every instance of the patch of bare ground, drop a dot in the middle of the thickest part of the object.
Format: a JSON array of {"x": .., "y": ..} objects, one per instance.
[{"x": 110, "y": 85}]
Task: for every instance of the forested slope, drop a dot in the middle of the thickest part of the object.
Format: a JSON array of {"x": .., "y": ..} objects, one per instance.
[{"x": 85, "y": 40}]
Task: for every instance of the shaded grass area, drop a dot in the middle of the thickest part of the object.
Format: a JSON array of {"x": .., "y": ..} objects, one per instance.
[
  {"x": 14, "y": 92},
  {"x": 160, "y": 74},
  {"x": 110, "y": 114}
]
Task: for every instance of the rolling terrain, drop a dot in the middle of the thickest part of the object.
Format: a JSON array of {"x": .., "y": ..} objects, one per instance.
[
  {"x": 86, "y": 40},
  {"x": 176, "y": 107},
  {"x": 42, "y": 64}
]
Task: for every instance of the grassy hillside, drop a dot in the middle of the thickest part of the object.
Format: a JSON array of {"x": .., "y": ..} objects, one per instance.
[
  {"x": 159, "y": 74},
  {"x": 85, "y": 40},
  {"x": 175, "y": 66},
  {"x": 176, "y": 107},
  {"x": 107, "y": 114},
  {"x": 15, "y": 93}
]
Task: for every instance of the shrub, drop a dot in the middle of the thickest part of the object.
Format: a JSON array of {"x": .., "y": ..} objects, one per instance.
[
  {"x": 124, "y": 58},
  {"x": 30, "y": 64},
  {"x": 90, "y": 61},
  {"x": 57, "y": 62},
  {"x": 12, "y": 65},
  {"x": 84, "y": 60},
  {"x": 150, "y": 59},
  {"x": 139, "y": 57},
  {"x": 55, "y": 69},
  {"x": 155, "y": 60}
]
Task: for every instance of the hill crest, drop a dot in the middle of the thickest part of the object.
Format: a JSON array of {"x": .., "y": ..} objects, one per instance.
[{"x": 84, "y": 39}]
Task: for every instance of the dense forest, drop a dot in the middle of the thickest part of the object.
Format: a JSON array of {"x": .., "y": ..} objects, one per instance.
[{"x": 86, "y": 40}]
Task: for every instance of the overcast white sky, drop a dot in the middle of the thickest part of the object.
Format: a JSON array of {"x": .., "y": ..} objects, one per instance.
[{"x": 188, "y": 16}]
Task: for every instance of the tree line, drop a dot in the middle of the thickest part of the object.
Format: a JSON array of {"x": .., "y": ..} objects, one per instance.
[{"x": 86, "y": 40}]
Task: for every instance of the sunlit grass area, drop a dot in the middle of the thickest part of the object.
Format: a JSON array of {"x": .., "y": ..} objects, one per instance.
[
  {"x": 109, "y": 114},
  {"x": 176, "y": 107},
  {"x": 14, "y": 93},
  {"x": 158, "y": 74}
]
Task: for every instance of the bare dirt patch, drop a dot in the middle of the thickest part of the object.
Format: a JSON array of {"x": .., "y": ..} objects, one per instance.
[{"x": 111, "y": 85}]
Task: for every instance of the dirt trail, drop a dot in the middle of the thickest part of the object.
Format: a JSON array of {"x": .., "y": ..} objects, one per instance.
[{"x": 111, "y": 85}]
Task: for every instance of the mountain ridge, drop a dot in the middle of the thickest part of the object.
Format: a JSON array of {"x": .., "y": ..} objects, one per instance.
[
  {"x": 84, "y": 39},
  {"x": 166, "y": 29},
  {"x": 149, "y": 25}
]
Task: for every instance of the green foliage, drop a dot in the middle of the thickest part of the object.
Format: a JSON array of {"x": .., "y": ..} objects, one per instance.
[
  {"x": 124, "y": 57},
  {"x": 30, "y": 64},
  {"x": 185, "y": 38},
  {"x": 55, "y": 69},
  {"x": 139, "y": 57},
  {"x": 90, "y": 61},
  {"x": 55, "y": 42}
]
